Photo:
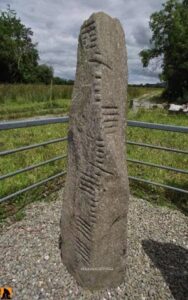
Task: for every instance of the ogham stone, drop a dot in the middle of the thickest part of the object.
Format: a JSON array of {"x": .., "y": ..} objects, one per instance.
[{"x": 93, "y": 239}]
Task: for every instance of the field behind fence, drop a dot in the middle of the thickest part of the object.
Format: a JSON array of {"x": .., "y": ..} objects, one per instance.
[{"x": 22, "y": 101}]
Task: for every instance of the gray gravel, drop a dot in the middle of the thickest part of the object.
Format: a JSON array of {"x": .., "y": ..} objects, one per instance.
[{"x": 156, "y": 265}]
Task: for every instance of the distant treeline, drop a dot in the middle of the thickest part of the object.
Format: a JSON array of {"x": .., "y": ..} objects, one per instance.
[
  {"x": 152, "y": 85},
  {"x": 62, "y": 81}
]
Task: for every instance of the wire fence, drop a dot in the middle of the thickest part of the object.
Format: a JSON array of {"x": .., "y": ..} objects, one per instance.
[{"x": 47, "y": 121}]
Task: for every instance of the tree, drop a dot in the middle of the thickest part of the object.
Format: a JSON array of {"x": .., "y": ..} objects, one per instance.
[
  {"x": 59, "y": 81},
  {"x": 170, "y": 42},
  {"x": 18, "y": 54},
  {"x": 44, "y": 74}
]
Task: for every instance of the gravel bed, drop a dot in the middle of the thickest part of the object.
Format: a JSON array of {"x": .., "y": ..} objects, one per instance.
[{"x": 157, "y": 264}]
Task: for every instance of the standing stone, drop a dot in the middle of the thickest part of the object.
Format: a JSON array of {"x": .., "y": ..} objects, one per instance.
[{"x": 93, "y": 238}]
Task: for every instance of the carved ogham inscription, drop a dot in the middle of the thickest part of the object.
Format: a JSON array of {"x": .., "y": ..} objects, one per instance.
[
  {"x": 89, "y": 185},
  {"x": 100, "y": 59},
  {"x": 100, "y": 153},
  {"x": 95, "y": 198},
  {"x": 83, "y": 230},
  {"x": 110, "y": 118},
  {"x": 97, "y": 85},
  {"x": 88, "y": 35}
]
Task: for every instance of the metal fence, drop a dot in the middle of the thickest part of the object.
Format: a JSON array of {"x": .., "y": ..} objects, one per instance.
[{"x": 47, "y": 121}]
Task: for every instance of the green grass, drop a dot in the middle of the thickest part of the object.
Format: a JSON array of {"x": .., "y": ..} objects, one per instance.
[
  {"x": 17, "y": 110},
  {"x": 19, "y": 137},
  {"x": 162, "y": 138},
  {"x": 23, "y": 101},
  {"x": 33, "y": 92},
  {"x": 136, "y": 92}
]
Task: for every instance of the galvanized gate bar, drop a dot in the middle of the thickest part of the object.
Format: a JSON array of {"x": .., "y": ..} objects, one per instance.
[
  {"x": 31, "y": 123},
  {"x": 32, "y": 167},
  {"x": 158, "y": 126},
  {"x": 39, "y": 122},
  {"x": 158, "y": 184},
  {"x": 6, "y": 152},
  {"x": 6, "y": 198},
  {"x": 157, "y": 166},
  {"x": 158, "y": 147}
]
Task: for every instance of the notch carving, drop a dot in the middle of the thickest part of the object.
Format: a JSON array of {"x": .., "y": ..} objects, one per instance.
[
  {"x": 90, "y": 179},
  {"x": 101, "y": 169}
]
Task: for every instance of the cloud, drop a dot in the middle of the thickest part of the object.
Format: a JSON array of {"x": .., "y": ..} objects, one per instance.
[{"x": 56, "y": 26}]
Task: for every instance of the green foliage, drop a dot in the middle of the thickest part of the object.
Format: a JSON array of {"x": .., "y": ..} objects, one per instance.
[
  {"x": 18, "y": 54},
  {"x": 61, "y": 81},
  {"x": 44, "y": 74},
  {"x": 170, "y": 42}
]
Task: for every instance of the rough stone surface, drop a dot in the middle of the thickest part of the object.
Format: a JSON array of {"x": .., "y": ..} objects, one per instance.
[{"x": 94, "y": 214}]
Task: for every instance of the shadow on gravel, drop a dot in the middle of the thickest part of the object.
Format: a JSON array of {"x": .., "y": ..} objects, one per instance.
[{"x": 172, "y": 261}]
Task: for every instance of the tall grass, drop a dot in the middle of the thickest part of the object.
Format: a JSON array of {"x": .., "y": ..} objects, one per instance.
[
  {"x": 24, "y": 93},
  {"x": 136, "y": 92},
  {"x": 22, "y": 101},
  {"x": 20, "y": 93}
]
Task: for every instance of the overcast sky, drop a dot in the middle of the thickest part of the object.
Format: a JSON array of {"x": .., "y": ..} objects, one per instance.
[{"x": 56, "y": 25}]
